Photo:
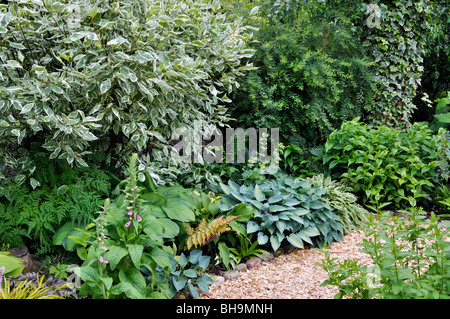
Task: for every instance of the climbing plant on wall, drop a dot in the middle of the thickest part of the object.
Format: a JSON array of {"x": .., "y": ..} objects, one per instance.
[{"x": 396, "y": 37}]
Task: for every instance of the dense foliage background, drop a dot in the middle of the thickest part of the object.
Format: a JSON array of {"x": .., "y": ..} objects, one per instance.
[{"x": 91, "y": 93}]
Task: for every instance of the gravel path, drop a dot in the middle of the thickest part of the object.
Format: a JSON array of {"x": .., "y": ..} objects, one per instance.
[{"x": 290, "y": 276}]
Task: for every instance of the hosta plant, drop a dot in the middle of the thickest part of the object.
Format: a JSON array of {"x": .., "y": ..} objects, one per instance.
[
  {"x": 188, "y": 272},
  {"x": 287, "y": 209}
]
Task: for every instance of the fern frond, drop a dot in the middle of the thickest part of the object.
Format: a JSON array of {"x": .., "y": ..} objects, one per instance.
[{"x": 205, "y": 231}]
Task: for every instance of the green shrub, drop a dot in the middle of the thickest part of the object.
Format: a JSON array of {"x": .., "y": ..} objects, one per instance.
[
  {"x": 312, "y": 75},
  {"x": 387, "y": 167},
  {"x": 78, "y": 77},
  {"x": 411, "y": 260}
]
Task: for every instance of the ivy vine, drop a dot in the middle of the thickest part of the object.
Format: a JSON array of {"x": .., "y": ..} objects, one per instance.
[{"x": 396, "y": 37}]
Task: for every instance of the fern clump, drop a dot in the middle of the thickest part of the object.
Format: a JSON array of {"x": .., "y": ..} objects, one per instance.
[
  {"x": 64, "y": 194},
  {"x": 207, "y": 231}
]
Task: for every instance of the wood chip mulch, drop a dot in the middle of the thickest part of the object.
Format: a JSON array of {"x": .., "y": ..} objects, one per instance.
[{"x": 290, "y": 276}]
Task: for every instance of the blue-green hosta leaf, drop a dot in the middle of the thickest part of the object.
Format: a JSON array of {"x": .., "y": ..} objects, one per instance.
[
  {"x": 275, "y": 199},
  {"x": 311, "y": 231},
  {"x": 239, "y": 196},
  {"x": 203, "y": 283},
  {"x": 259, "y": 195},
  {"x": 190, "y": 273},
  {"x": 256, "y": 204},
  {"x": 252, "y": 227},
  {"x": 295, "y": 240},
  {"x": 274, "y": 242},
  {"x": 278, "y": 208},
  {"x": 233, "y": 186},
  {"x": 281, "y": 225},
  {"x": 225, "y": 188},
  {"x": 295, "y": 217},
  {"x": 291, "y": 202},
  {"x": 262, "y": 239},
  {"x": 194, "y": 256},
  {"x": 305, "y": 237},
  {"x": 179, "y": 282},
  {"x": 203, "y": 262},
  {"x": 300, "y": 211},
  {"x": 182, "y": 261}
]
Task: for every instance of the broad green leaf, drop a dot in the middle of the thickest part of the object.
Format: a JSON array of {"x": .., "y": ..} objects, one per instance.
[
  {"x": 160, "y": 257},
  {"x": 135, "y": 252},
  {"x": 178, "y": 210},
  {"x": 89, "y": 274},
  {"x": 129, "y": 289},
  {"x": 114, "y": 255},
  {"x": 13, "y": 265},
  {"x": 443, "y": 118}
]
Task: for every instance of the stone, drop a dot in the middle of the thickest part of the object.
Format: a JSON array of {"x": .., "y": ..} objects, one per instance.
[
  {"x": 231, "y": 274},
  {"x": 266, "y": 256},
  {"x": 241, "y": 267},
  {"x": 31, "y": 265},
  {"x": 218, "y": 279},
  {"x": 278, "y": 252},
  {"x": 253, "y": 262}
]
